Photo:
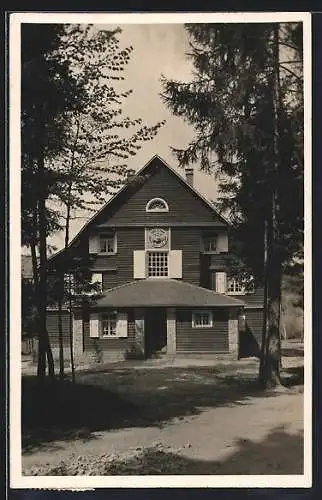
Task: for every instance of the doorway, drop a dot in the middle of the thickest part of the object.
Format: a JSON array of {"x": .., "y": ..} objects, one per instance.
[{"x": 155, "y": 330}]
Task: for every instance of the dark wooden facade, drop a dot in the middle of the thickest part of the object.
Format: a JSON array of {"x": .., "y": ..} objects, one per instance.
[
  {"x": 211, "y": 340},
  {"x": 189, "y": 218}
]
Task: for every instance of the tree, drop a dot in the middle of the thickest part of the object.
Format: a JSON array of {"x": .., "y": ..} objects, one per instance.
[
  {"x": 246, "y": 105},
  {"x": 45, "y": 99},
  {"x": 76, "y": 141},
  {"x": 93, "y": 162}
]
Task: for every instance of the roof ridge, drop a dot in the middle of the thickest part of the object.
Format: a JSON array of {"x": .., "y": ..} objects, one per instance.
[{"x": 137, "y": 174}]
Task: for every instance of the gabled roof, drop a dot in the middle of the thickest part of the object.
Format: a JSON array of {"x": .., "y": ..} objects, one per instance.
[
  {"x": 126, "y": 187},
  {"x": 164, "y": 293}
]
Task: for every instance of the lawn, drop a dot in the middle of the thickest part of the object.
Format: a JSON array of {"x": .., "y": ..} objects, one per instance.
[{"x": 140, "y": 419}]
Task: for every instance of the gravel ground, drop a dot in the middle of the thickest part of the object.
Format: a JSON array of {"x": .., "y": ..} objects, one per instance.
[{"x": 260, "y": 436}]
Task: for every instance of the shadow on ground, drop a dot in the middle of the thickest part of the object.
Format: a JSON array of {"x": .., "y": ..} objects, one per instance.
[
  {"x": 279, "y": 453},
  {"x": 58, "y": 410}
]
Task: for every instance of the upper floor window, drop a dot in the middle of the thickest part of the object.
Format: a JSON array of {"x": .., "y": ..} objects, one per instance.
[
  {"x": 107, "y": 244},
  {"x": 239, "y": 287},
  {"x": 235, "y": 286},
  {"x": 157, "y": 205},
  {"x": 210, "y": 243},
  {"x": 158, "y": 266}
]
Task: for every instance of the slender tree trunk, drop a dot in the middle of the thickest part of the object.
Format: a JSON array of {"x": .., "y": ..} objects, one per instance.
[
  {"x": 34, "y": 264},
  {"x": 270, "y": 370},
  {"x": 60, "y": 326},
  {"x": 70, "y": 308},
  {"x": 44, "y": 344},
  {"x": 71, "y": 342},
  {"x": 265, "y": 307}
]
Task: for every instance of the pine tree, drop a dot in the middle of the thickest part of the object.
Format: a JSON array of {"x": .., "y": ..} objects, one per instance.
[{"x": 246, "y": 105}]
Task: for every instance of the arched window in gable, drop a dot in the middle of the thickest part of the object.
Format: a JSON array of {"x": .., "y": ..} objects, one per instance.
[{"x": 157, "y": 205}]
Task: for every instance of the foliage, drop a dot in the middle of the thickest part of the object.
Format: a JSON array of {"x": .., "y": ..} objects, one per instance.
[
  {"x": 101, "y": 138},
  {"x": 230, "y": 104},
  {"x": 246, "y": 105},
  {"x": 73, "y": 132}
]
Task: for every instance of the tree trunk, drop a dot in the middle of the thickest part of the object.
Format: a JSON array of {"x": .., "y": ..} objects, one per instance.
[
  {"x": 34, "y": 264},
  {"x": 70, "y": 313},
  {"x": 71, "y": 340},
  {"x": 269, "y": 374},
  {"x": 261, "y": 377},
  {"x": 271, "y": 360},
  {"x": 60, "y": 326},
  {"x": 44, "y": 344}
]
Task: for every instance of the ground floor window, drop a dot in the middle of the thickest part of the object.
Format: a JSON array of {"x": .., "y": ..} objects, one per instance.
[
  {"x": 158, "y": 264},
  {"x": 202, "y": 319},
  {"x": 109, "y": 322}
]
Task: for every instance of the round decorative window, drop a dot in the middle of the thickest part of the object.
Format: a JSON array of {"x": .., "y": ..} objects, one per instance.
[
  {"x": 157, "y": 237},
  {"x": 157, "y": 205}
]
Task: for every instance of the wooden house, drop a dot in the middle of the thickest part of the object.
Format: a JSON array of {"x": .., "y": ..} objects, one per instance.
[{"x": 159, "y": 251}]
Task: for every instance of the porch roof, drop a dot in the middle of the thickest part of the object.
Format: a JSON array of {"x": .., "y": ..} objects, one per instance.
[{"x": 163, "y": 293}]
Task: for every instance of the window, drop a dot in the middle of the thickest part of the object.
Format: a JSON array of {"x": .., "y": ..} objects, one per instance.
[
  {"x": 97, "y": 281},
  {"x": 157, "y": 205},
  {"x": 236, "y": 286},
  {"x": 158, "y": 264},
  {"x": 107, "y": 244},
  {"x": 202, "y": 319},
  {"x": 210, "y": 243},
  {"x": 109, "y": 323}
]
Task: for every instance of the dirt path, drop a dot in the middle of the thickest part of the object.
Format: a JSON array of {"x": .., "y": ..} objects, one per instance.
[{"x": 258, "y": 436}]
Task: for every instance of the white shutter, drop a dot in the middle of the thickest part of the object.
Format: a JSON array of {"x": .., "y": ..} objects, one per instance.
[
  {"x": 222, "y": 242},
  {"x": 121, "y": 325},
  {"x": 94, "y": 325},
  {"x": 93, "y": 243},
  {"x": 139, "y": 266},
  {"x": 171, "y": 331},
  {"x": 175, "y": 264},
  {"x": 221, "y": 282}
]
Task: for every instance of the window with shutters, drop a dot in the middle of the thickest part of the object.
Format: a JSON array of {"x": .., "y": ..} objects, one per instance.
[
  {"x": 107, "y": 244},
  {"x": 158, "y": 264},
  {"x": 109, "y": 324},
  {"x": 157, "y": 205},
  {"x": 202, "y": 319}
]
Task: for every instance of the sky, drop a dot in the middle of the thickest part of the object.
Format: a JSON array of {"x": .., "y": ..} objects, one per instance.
[{"x": 159, "y": 49}]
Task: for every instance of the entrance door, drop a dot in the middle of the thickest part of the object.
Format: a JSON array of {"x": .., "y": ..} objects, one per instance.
[{"x": 155, "y": 330}]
